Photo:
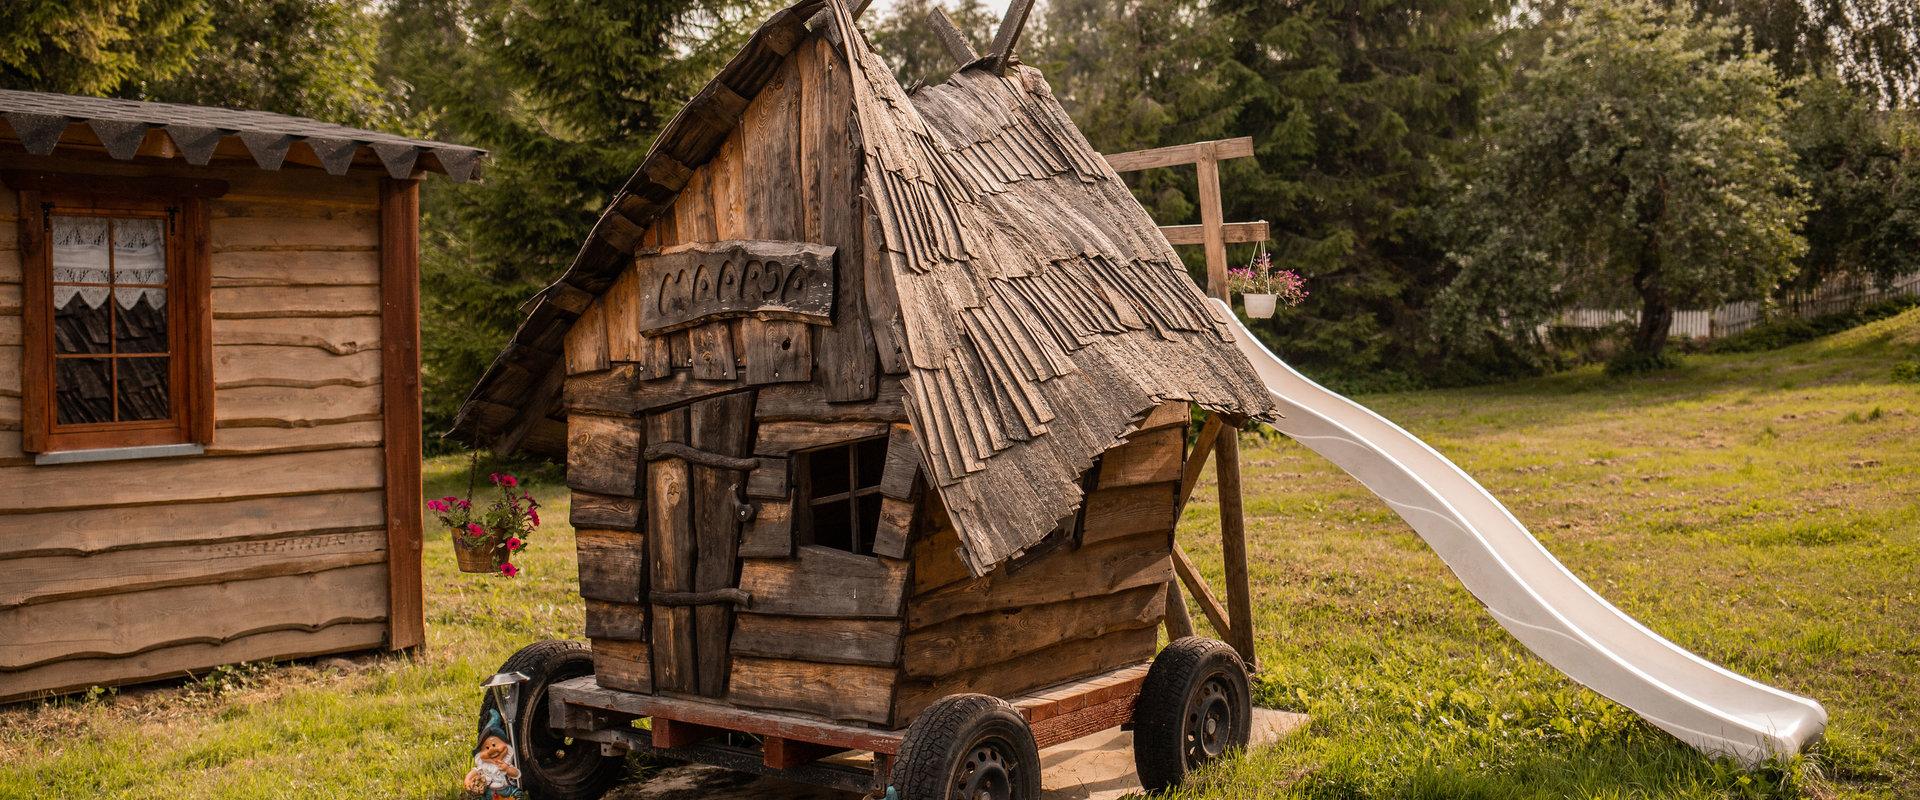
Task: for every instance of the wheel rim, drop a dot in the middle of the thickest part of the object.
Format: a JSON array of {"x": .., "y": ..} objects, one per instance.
[
  {"x": 554, "y": 755},
  {"x": 1210, "y": 721},
  {"x": 986, "y": 773}
]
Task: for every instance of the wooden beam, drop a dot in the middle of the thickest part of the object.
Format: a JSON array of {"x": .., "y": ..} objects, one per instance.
[
  {"x": 1233, "y": 545},
  {"x": 1210, "y": 222},
  {"x": 1232, "y": 233},
  {"x": 1197, "y": 460},
  {"x": 674, "y": 733},
  {"x": 400, "y": 406},
  {"x": 951, "y": 39},
  {"x": 783, "y": 753},
  {"x": 585, "y": 693},
  {"x": 1179, "y": 620},
  {"x": 1209, "y": 604},
  {"x": 1190, "y": 153},
  {"x": 1008, "y": 36}
]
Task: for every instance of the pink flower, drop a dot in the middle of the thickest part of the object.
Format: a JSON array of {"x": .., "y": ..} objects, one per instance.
[
  {"x": 508, "y": 569},
  {"x": 514, "y": 543},
  {"x": 435, "y": 505},
  {"x": 464, "y": 505},
  {"x": 507, "y": 479},
  {"x": 535, "y": 516},
  {"x": 474, "y": 528}
]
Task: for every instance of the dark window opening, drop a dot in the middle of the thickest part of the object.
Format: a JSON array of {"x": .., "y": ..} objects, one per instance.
[{"x": 837, "y": 502}]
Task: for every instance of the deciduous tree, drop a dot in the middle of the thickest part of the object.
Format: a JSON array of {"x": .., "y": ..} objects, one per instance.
[{"x": 1645, "y": 155}]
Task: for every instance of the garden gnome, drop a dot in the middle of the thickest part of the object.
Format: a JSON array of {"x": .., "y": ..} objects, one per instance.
[{"x": 493, "y": 777}]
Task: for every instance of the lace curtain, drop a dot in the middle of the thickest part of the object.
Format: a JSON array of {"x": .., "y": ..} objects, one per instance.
[{"x": 139, "y": 256}]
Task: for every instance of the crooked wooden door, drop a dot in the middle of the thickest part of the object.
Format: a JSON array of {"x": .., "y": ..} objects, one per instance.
[{"x": 697, "y": 463}]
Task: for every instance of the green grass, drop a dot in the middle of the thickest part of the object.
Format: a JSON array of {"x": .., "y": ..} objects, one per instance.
[{"x": 1759, "y": 508}]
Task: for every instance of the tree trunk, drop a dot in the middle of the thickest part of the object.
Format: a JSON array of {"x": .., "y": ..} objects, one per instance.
[{"x": 1656, "y": 318}]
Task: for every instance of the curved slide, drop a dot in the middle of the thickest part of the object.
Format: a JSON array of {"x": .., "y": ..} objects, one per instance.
[{"x": 1535, "y": 598}]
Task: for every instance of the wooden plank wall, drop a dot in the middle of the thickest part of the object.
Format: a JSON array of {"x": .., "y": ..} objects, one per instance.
[
  {"x": 272, "y": 544},
  {"x": 1073, "y": 612}
]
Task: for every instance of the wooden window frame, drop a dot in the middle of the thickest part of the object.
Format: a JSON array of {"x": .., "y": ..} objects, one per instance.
[
  {"x": 804, "y": 502},
  {"x": 189, "y": 301}
]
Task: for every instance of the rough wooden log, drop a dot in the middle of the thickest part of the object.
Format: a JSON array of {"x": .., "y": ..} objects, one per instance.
[
  {"x": 825, "y": 640},
  {"x": 840, "y": 692},
  {"x": 824, "y": 582}
]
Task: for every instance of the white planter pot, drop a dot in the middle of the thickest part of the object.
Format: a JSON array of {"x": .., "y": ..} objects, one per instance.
[{"x": 1259, "y": 306}]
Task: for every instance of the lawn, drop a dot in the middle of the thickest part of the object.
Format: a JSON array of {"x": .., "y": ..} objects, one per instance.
[{"x": 1760, "y": 509}]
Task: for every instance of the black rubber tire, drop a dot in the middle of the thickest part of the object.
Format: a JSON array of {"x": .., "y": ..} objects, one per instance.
[
  {"x": 553, "y": 767},
  {"x": 966, "y": 744},
  {"x": 1194, "y": 707}
]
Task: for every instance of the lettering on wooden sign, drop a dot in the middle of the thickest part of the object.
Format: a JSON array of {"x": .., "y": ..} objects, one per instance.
[{"x": 686, "y": 285}]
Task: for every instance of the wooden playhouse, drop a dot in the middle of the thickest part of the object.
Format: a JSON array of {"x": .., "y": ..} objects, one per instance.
[
  {"x": 867, "y": 401},
  {"x": 209, "y": 388}
]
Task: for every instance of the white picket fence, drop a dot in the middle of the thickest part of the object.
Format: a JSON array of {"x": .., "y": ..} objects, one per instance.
[{"x": 1835, "y": 296}]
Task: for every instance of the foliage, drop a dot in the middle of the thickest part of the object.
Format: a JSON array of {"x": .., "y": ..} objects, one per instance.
[
  {"x": 1872, "y": 45},
  {"x": 567, "y": 97},
  {"x": 1863, "y": 181},
  {"x": 97, "y": 47},
  {"x": 311, "y": 58},
  {"x": 905, "y": 39},
  {"x": 1644, "y": 151}
]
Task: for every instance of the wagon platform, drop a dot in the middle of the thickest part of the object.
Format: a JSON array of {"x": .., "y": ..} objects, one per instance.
[{"x": 807, "y": 749}]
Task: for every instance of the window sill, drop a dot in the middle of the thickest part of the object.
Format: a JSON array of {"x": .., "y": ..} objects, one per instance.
[{"x": 117, "y": 454}]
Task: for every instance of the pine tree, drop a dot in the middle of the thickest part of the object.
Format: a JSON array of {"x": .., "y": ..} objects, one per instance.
[
  {"x": 96, "y": 47},
  {"x": 566, "y": 96},
  {"x": 1357, "y": 110}
]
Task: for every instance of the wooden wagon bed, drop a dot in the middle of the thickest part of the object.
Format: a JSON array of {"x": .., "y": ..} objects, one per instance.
[{"x": 810, "y": 749}]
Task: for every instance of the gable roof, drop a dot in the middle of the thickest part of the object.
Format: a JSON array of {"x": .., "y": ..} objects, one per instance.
[
  {"x": 1044, "y": 315},
  {"x": 39, "y": 119}
]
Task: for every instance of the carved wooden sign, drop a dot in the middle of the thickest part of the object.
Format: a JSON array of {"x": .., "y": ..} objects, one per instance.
[{"x": 685, "y": 285}]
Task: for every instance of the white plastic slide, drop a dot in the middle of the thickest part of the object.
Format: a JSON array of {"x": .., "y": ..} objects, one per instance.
[{"x": 1535, "y": 598}]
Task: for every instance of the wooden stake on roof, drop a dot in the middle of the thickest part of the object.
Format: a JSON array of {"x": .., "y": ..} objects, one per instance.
[
  {"x": 951, "y": 39},
  {"x": 1010, "y": 29}
]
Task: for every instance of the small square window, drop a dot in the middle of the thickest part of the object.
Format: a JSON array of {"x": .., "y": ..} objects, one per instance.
[{"x": 837, "y": 502}]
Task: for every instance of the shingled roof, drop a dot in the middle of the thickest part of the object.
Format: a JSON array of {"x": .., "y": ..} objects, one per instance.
[
  {"x": 1044, "y": 315},
  {"x": 40, "y": 119}
]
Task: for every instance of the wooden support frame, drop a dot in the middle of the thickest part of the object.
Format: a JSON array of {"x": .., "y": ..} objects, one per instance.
[
  {"x": 400, "y": 406},
  {"x": 1235, "y": 622}
]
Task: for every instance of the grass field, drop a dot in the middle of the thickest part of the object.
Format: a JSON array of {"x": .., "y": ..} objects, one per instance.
[{"x": 1762, "y": 509}]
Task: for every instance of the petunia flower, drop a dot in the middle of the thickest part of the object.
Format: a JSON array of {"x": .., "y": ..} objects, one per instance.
[
  {"x": 534, "y": 515},
  {"x": 475, "y": 529},
  {"x": 514, "y": 543},
  {"x": 508, "y": 569},
  {"x": 507, "y": 479}
]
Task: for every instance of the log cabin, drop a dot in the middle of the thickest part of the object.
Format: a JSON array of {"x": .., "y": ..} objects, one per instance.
[
  {"x": 866, "y": 398},
  {"x": 209, "y": 389}
]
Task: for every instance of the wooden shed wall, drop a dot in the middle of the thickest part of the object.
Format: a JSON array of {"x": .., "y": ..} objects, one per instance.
[
  {"x": 271, "y": 544},
  {"x": 1072, "y": 612}
]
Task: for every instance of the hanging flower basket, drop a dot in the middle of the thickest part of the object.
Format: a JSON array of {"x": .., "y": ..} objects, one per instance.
[
  {"x": 1262, "y": 288},
  {"x": 484, "y": 542},
  {"x": 478, "y": 554}
]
